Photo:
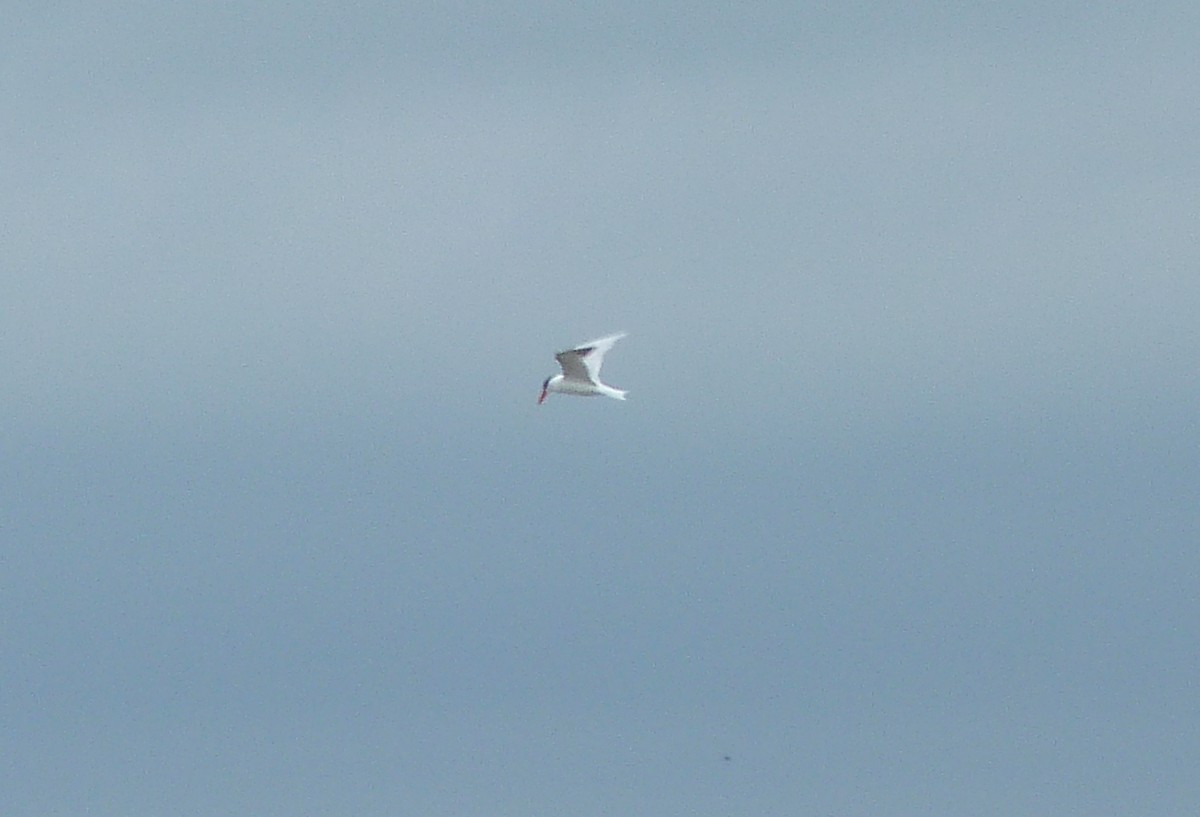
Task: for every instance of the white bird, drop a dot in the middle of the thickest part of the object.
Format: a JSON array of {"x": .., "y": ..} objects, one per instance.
[{"x": 581, "y": 370}]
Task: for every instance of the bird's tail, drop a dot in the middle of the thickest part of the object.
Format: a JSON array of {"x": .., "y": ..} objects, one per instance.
[{"x": 619, "y": 394}]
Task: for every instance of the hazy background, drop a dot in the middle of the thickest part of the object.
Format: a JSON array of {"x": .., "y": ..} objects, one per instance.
[{"x": 901, "y": 515}]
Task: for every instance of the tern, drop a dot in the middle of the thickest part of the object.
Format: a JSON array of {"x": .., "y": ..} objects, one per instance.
[{"x": 581, "y": 370}]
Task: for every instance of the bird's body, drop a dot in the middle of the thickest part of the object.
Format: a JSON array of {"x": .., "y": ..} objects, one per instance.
[{"x": 581, "y": 371}]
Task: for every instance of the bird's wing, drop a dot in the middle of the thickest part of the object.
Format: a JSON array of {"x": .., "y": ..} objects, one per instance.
[
  {"x": 584, "y": 361},
  {"x": 572, "y": 365}
]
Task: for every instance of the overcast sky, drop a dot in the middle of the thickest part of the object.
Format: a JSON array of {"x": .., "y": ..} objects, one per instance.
[{"x": 900, "y": 518}]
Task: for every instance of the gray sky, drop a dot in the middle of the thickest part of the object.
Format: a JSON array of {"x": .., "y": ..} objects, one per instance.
[{"x": 901, "y": 515}]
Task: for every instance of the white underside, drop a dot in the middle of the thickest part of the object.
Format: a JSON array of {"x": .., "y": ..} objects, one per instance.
[{"x": 580, "y": 388}]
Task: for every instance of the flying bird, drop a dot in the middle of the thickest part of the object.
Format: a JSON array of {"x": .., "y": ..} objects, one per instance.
[{"x": 581, "y": 371}]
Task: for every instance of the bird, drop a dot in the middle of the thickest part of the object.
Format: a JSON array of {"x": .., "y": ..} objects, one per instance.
[{"x": 581, "y": 371}]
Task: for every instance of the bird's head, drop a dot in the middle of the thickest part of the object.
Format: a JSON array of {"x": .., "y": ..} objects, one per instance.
[{"x": 545, "y": 390}]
